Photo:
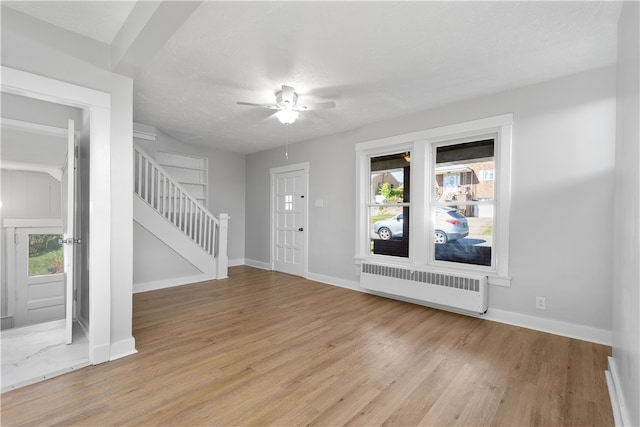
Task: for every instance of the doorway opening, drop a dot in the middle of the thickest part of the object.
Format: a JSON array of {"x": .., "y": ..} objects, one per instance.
[{"x": 42, "y": 327}]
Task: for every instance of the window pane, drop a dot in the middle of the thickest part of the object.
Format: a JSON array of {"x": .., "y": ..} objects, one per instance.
[
  {"x": 464, "y": 234},
  {"x": 389, "y": 176},
  {"x": 389, "y": 231},
  {"x": 388, "y": 206},
  {"x": 45, "y": 254},
  {"x": 465, "y": 172}
]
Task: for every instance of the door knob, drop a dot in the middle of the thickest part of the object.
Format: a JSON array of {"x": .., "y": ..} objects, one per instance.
[{"x": 300, "y": 229}]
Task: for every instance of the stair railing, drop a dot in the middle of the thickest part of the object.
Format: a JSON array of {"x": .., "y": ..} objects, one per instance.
[{"x": 171, "y": 200}]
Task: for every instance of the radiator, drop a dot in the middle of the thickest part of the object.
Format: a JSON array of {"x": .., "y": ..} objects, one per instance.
[{"x": 459, "y": 291}]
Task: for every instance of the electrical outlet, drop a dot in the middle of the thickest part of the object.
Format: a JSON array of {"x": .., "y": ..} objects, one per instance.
[{"x": 541, "y": 303}]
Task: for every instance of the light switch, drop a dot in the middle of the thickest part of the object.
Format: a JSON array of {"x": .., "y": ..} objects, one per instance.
[{"x": 319, "y": 203}]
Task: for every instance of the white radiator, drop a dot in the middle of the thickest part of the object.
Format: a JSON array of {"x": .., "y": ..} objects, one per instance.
[{"x": 460, "y": 291}]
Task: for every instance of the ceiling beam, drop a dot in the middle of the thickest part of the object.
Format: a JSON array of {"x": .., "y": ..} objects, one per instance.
[{"x": 149, "y": 26}]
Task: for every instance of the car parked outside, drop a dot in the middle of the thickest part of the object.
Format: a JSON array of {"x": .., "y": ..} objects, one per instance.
[{"x": 450, "y": 225}]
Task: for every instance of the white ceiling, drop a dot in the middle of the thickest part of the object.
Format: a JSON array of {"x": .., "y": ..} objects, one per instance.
[
  {"x": 42, "y": 151},
  {"x": 376, "y": 60},
  {"x": 99, "y": 20}
]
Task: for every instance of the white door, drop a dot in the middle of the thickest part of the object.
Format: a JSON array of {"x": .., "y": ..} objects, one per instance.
[
  {"x": 40, "y": 295},
  {"x": 68, "y": 222},
  {"x": 289, "y": 201}
]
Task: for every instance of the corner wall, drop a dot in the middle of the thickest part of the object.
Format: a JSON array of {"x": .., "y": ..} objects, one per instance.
[{"x": 625, "y": 363}]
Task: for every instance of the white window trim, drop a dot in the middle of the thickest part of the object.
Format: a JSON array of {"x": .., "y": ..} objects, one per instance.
[{"x": 419, "y": 144}]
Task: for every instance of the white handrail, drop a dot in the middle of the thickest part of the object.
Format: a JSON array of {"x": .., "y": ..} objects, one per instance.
[{"x": 171, "y": 200}]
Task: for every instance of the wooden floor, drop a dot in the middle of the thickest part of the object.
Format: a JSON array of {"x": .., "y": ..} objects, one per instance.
[{"x": 263, "y": 348}]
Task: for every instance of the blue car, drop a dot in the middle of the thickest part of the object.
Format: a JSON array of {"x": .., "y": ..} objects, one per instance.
[{"x": 450, "y": 225}]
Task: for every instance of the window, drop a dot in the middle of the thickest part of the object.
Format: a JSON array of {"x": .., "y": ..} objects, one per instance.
[
  {"x": 454, "y": 184},
  {"x": 461, "y": 203},
  {"x": 288, "y": 202},
  {"x": 487, "y": 175},
  {"x": 45, "y": 254},
  {"x": 389, "y": 204}
]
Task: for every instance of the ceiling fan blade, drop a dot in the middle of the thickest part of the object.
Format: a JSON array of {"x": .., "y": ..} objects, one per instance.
[
  {"x": 288, "y": 95},
  {"x": 251, "y": 104},
  {"x": 318, "y": 106}
]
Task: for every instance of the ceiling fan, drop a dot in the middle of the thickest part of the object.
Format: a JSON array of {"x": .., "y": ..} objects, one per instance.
[{"x": 287, "y": 105}]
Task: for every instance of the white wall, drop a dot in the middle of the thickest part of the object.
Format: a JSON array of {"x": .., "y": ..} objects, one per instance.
[
  {"x": 626, "y": 219},
  {"x": 29, "y": 195},
  {"x": 37, "y": 111},
  {"x": 226, "y": 186},
  {"x": 33, "y": 46},
  {"x": 563, "y": 167},
  {"x": 156, "y": 265}
]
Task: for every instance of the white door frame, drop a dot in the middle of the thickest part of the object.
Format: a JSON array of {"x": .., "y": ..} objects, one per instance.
[
  {"x": 99, "y": 106},
  {"x": 304, "y": 167}
]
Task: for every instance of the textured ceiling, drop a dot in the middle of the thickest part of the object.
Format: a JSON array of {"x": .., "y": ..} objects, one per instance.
[{"x": 376, "y": 60}]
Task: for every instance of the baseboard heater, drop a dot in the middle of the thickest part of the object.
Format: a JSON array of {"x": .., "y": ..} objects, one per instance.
[{"x": 458, "y": 291}]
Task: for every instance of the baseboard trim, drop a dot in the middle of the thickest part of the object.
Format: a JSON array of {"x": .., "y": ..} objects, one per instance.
[
  {"x": 99, "y": 354},
  {"x": 169, "y": 283},
  {"x": 621, "y": 416},
  {"x": 257, "y": 264},
  {"x": 236, "y": 262},
  {"x": 556, "y": 327},
  {"x": 123, "y": 348},
  {"x": 7, "y": 323},
  {"x": 334, "y": 281}
]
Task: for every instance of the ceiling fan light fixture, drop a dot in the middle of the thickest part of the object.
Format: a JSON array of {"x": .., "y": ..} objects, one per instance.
[
  {"x": 287, "y": 105},
  {"x": 287, "y": 116}
]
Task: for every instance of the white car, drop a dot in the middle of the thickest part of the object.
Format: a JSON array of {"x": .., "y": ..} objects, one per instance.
[{"x": 450, "y": 225}]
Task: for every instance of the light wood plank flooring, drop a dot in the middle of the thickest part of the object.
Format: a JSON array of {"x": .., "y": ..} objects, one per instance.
[{"x": 263, "y": 348}]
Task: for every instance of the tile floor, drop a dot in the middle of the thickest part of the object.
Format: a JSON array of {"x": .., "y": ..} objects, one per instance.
[{"x": 35, "y": 353}]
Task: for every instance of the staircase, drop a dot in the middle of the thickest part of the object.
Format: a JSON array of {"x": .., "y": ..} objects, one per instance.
[{"x": 164, "y": 208}]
